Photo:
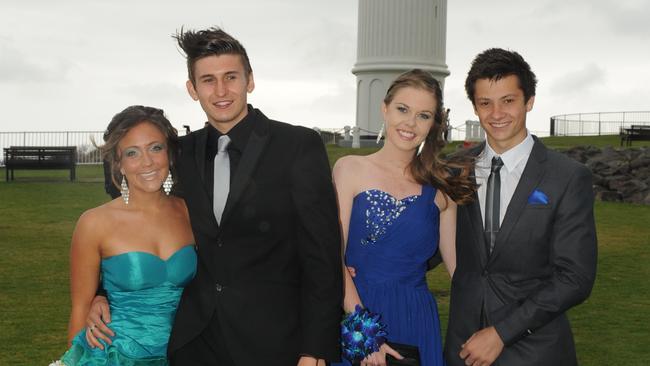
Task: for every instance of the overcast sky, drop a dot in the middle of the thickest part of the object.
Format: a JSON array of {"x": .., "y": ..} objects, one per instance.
[{"x": 71, "y": 65}]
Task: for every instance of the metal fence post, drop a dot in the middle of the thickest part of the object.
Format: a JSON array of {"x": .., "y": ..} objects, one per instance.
[
  {"x": 552, "y": 126},
  {"x": 598, "y": 123}
]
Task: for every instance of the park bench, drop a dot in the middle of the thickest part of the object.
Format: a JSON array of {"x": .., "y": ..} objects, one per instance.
[
  {"x": 635, "y": 133},
  {"x": 40, "y": 157}
]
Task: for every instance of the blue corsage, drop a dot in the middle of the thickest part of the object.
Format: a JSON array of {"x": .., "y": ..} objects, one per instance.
[{"x": 361, "y": 334}]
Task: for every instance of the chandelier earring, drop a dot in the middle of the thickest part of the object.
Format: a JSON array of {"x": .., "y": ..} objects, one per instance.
[
  {"x": 380, "y": 134},
  {"x": 124, "y": 190},
  {"x": 168, "y": 183}
]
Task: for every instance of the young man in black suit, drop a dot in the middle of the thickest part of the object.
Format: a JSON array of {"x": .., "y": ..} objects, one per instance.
[
  {"x": 268, "y": 287},
  {"x": 526, "y": 246}
]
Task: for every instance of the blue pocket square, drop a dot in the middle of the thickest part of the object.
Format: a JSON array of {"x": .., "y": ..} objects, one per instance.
[{"x": 538, "y": 198}]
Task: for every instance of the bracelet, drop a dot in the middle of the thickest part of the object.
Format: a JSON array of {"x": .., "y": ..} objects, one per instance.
[{"x": 361, "y": 334}]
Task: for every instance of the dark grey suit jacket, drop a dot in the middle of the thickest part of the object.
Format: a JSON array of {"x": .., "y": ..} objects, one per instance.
[{"x": 543, "y": 263}]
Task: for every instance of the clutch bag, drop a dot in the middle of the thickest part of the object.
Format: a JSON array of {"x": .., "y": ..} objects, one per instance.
[{"x": 410, "y": 353}]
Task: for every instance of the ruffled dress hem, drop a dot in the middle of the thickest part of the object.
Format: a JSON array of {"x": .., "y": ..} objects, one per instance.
[{"x": 79, "y": 355}]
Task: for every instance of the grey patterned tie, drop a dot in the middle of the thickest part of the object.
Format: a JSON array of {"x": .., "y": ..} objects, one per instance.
[
  {"x": 492, "y": 203},
  {"x": 221, "y": 177}
]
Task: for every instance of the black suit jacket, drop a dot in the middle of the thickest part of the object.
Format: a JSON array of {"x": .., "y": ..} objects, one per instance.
[
  {"x": 271, "y": 272},
  {"x": 543, "y": 263}
]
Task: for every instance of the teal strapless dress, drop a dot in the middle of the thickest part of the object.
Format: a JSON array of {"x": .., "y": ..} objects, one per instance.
[{"x": 143, "y": 292}]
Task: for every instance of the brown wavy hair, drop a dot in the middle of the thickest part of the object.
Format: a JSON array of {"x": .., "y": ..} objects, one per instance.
[{"x": 452, "y": 176}]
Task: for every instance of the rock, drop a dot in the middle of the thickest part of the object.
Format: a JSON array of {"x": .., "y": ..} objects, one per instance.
[
  {"x": 643, "y": 172},
  {"x": 638, "y": 197},
  {"x": 609, "y": 196},
  {"x": 596, "y": 165},
  {"x": 615, "y": 182},
  {"x": 618, "y": 167},
  {"x": 582, "y": 153},
  {"x": 640, "y": 162},
  {"x": 632, "y": 186},
  {"x": 598, "y": 180},
  {"x": 618, "y": 174}
]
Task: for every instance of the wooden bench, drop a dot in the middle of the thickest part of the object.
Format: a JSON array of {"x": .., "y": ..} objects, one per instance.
[
  {"x": 40, "y": 157},
  {"x": 634, "y": 133}
]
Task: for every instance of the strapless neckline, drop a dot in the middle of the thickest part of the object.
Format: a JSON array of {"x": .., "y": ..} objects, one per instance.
[
  {"x": 148, "y": 254},
  {"x": 143, "y": 292},
  {"x": 377, "y": 190}
]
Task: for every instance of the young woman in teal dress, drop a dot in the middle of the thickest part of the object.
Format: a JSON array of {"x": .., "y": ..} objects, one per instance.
[
  {"x": 397, "y": 208},
  {"x": 139, "y": 246}
]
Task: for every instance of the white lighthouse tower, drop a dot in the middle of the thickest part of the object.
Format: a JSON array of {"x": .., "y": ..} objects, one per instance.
[{"x": 395, "y": 36}]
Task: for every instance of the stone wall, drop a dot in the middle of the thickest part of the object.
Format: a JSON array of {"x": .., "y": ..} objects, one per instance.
[{"x": 621, "y": 175}]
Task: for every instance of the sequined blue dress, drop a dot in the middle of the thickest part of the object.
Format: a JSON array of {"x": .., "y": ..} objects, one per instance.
[
  {"x": 389, "y": 243},
  {"x": 143, "y": 291}
]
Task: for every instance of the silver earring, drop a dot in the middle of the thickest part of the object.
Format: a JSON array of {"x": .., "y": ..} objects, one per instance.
[
  {"x": 381, "y": 132},
  {"x": 168, "y": 183},
  {"x": 124, "y": 190},
  {"x": 421, "y": 147}
]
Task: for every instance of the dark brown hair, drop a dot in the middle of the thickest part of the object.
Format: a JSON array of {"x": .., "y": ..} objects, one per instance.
[
  {"x": 209, "y": 42},
  {"x": 497, "y": 63},
  {"x": 123, "y": 122},
  {"x": 452, "y": 177}
]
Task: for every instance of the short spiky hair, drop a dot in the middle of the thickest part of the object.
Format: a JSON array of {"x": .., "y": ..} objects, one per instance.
[
  {"x": 209, "y": 42},
  {"x": 497, "y": 63}
]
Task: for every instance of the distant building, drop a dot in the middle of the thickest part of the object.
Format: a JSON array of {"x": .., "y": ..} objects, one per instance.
[
  {"x": 395, "y": 36},
  {"x": 474, "y": 131}
]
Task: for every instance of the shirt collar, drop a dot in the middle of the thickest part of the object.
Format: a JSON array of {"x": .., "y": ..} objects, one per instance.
[
  {"x": 239, "y": 134},
  {"x": 514, "y": 156}
]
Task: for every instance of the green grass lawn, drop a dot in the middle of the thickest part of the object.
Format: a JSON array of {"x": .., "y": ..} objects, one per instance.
[{"x": 39, "y": 210}]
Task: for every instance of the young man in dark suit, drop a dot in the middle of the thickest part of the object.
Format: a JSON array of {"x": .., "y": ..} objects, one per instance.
[
  {"x": 526, "y": 246},
  {"x": 268, "y": 287}
]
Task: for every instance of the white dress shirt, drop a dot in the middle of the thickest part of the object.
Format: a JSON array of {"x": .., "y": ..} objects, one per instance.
[{"x": 514, "y": 162}]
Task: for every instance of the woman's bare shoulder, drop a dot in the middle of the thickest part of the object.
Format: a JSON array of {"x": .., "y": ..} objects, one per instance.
[
  {"x": 101, "y": 216},
  {"x": 350, "y": 164}
]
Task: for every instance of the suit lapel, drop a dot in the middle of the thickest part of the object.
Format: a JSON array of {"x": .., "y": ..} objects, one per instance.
[
  {"x": 201, "y": 141},
  {"x": 530, "y": 179},
  {"x": 252, "y": 152}
]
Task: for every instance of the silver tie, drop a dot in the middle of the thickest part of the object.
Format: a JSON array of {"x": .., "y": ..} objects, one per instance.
[{"x": 221, "y": 177}]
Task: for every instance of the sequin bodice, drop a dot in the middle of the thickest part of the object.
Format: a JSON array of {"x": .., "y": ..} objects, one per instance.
[
  {"x": 382, "y": 210},
  {"x": 391, "y": 239}
]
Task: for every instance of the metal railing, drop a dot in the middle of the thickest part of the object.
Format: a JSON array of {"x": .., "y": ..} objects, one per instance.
[
  {"x": 87, "y": 153},
  {"x": 330, "y": 135},
  {"x": 596, "y": 124}
]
